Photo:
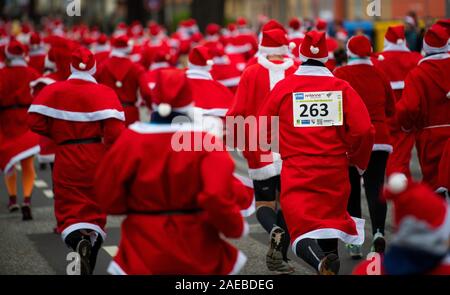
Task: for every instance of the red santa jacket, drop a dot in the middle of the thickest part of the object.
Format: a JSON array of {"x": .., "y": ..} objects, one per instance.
[
  {"x": 180, "y": 197},
  {"x": 425, "y": 106},
  {"x": 17, "y": 142},
  {"x": 375, "y": 90},
  {"x": 125, "y": 77},
  {"x": 226, "y": 73},
  {"x": 256, "y": 83},
  {"x": 95, "y": 123},
  {"x": 37, "y": 60},
  {"x": 149, "y": 81}
]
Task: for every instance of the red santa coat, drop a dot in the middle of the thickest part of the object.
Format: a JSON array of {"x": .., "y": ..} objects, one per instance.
[
  {"x": 37, "y": 60},
  {"x": 256, "y": 83},
  {"x": 396, "y": 63},
  {"x": 149, "y": 81},
  {"x": 47, "y": 146},
  {"x": 125, "y": 77},
  {"x": 77, "y": 116},
  {"x": 425, "y": 106},
  {"x": 155, "y": 240},
  {"x": 444, "y": 170},
  {"x": 375, "y": 90},
  {"x": 314, "y": 179},
  {"x": 17, "y": 142}
]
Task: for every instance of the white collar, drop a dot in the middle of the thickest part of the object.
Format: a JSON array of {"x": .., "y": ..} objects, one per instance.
[
  {"x": 102, "y": 48},
  {"x": 263, "y": 61},
  {"x": 439, "y": 56},
  {"x": 221, "y": 60},
  {"x": 39, "y": 51},
  {"x": 296, "y": 35},
  {"x": 389, "y": 46},
  {"x": 146, "y": 128},
  {"x": 198, "y": 74},
  {"x": 360, "y": 61},
  {"x": 86, "y": 76},
  {"x": 122, "y": 53},
  {"x": 159, "y": 65},
  {"x": 313, "y": 71},
  {"x": 18, "y": 62}
]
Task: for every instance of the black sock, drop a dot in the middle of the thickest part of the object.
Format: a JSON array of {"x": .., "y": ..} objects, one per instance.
[
  {"x": 286, "y": 238},
  {"x": 267, "y": 217},
  {"x": 310, "y": 252}
]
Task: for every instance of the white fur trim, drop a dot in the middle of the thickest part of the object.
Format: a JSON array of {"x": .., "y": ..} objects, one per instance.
[
  {"x": 102, "y": 48},
  {"x": 115, "y": 270},
  {"x": 448, "y": 95},
  {"x": 248, "y": 183},
  {"x": 433, "y": 50},
  {"x": 435, "y": 57},
  {"x": 438, "y": 126},
  {"x": 277, "y": 72},
  {"x": 146, "y": 128},
  {"x": 21, "y": 156},
  {"x": 296, "y": 35},
  {"x": 332, "y": 233},
  {"x": 201, "y": 73},
  {"x": 221, "y": 60},
  {"x": 313, "y": 71},
  {"x": 121, "y": 53},
  {"x": 383, "y": 148},
  {"x": 282, "y": 50},
  {"x": 322, "y": 60},
  {"x": 265, "y": 172},
  {"x": 231, "y": 49},
  {"x": 43, "y": 80},
  {"x": 46, "y": 158},
  {"x": 82, "y": 225},
  {"x": 397, "y": 183},
  {"x": 398, "y": 85},
  {"x": 389, "y": 46},
  {"x": 239, "y": 264},
  {"x": 231, "y": 82},
  {"x": 360, "y": 61},
  {"x": 77, "y": 116},
  {"x": 85, "y": 76},
  {"x": 159, "y": 65},
  {"x": 18, "y": 62}
]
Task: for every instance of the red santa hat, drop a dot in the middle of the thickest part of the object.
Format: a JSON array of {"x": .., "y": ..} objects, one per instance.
[
  {"x": 242, "y": 22},
  {"x": 445, "y": 23},
  {"x": 272, "y": 25},
  {"x": 396, "y": 34},
  {"x": 35, "y": 40},
  {"x": 321, "y": 25},
  {"x": 212, "y": 29},
  {"x": 295, "y": 24},
  {"x": 121, "y": 45},
  {"x": 314, "y": 47},
  {"x": 421, "y": 217},
  {"x": 121, "y": 29},
  {"x": 232, "y": 27},
  {"x": 359, "y": 46},
  {"x": 102, "y": 39},
  {"x": 15, "y": 50},
  {"x": 83, "y": 61},
  {"x": 154, "y": 29},
  {"x": 436, "y": 40},
  {"x": 200, "y": 58},
  {"x": 274, "y": 42},
  {"x": 171, "y": 93}
]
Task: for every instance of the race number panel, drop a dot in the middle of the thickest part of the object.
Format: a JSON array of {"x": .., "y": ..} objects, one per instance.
[{"x": 318, "y": 109}]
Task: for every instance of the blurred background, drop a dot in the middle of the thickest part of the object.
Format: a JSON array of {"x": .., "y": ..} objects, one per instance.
[{"x": 352, "y": 14}]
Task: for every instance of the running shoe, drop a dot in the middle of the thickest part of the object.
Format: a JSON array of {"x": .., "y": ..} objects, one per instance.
[
  {"x": 354, "y": 251},
  {"x": 330, "y": 265}
]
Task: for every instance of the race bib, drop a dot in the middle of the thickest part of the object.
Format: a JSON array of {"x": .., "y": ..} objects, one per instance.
[{"x": 318, "y": 109}]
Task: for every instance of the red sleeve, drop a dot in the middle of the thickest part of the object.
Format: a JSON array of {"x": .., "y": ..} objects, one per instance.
[
  {"x": 39, "y": 124},
  {"x": 238, "y": 107},
  {"x": 115, "y": 171},
  {"x": 359, "y": 129},
  {"x": 243, "y": 191},
  {"x": 217, "y": 199},
  {"x": 112, "y": 128},
  {"x": 408, "y": 108}
]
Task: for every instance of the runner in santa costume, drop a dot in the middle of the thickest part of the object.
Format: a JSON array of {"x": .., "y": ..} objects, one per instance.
[
  {"x": 421, "y": 243},
  {"x": 18, "y": 144},
  {"x": 425, "y": 104},
  {"x": 375, "y": 90},
  {"x": 324, "y": 128},
  {"x": 210, "y": 97},
  {"x": 83, "y": 129},
  {"x": 244, "y": 43},
  {"x": 444, "y": 172},
  {"x": 264, "y": 167},
  {"x": 445, "y": 23},
  {"x": 177, "y": 227},
  {"x": 396, "y": 61},
  {"x": 296, "y": 34},
  {"x": 37, "y": 53},
  {"x": 124, "y": 76}
]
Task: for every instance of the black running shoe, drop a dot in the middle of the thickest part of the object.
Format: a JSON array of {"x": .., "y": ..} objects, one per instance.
[
  {"x": 330, "y": 265},
  {"x": 26, "y": 212},
  {"x": 378, "y": 243},
  {"x": 274, "y": 257},
  {"x": 84, "y": 249}
]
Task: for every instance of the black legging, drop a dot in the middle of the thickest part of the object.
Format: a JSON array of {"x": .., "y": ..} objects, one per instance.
[
  {"x": 373, "y": 184},
  {"x": 313, "y": 251}
]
